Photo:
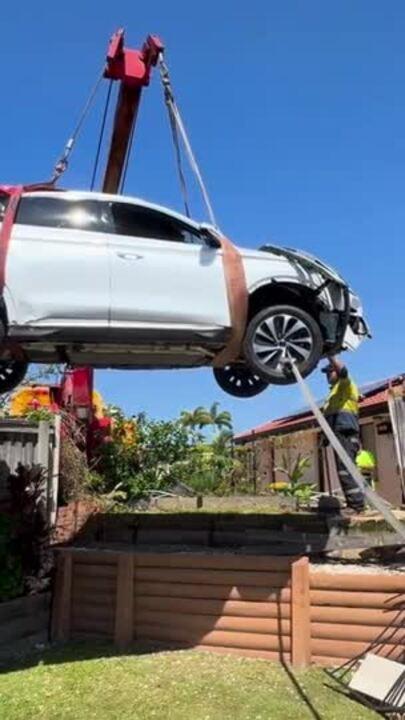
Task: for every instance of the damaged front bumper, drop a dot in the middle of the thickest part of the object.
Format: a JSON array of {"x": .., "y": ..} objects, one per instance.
[
  {"x": 341, "y": 313},
  {"x": 357, "y": 328}
]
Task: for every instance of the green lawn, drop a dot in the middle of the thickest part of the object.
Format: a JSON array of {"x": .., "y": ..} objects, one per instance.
[{"x": 83, "y": 682}]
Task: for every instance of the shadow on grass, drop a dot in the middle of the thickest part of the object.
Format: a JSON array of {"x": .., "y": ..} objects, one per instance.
[
  {"x": 301, "y": 692},
  {"x": 291, "y": 675},
  {"x": 75, "y": 651}
]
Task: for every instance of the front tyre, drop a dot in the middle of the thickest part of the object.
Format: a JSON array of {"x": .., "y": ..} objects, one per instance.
[
  {"x": 239, "y": 380},
  {"x": 277, "y": 333}
]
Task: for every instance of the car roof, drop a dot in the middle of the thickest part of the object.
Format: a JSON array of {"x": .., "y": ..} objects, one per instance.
[{"x": 105, "y": 197}]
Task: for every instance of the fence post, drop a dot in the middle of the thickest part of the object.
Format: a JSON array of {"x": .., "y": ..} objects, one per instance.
[
  {"x": 62, "y": 598},
  {"x": 42, "y": 459},
  {"x": 124, "y": 607},
  {"x": 300, "y": 614},
  {"x": 53, "y": 484}
]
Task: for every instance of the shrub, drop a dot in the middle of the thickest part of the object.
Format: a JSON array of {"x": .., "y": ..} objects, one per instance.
[
  {"x": 29, "y": 530},
  {"x": 11, "y": 576}
]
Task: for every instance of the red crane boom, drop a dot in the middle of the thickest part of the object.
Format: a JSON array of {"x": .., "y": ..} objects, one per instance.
[{"x": 132, "y": 68}]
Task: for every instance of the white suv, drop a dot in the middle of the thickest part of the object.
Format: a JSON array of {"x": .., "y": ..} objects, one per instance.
[{"x": 111, "y": 281}]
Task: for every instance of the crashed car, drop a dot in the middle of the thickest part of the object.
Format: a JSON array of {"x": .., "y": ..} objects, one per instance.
[{"x": 117, "y": 282}]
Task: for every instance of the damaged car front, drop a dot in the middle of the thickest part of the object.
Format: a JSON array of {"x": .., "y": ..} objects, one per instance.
[{"x": 340, "y": 310}]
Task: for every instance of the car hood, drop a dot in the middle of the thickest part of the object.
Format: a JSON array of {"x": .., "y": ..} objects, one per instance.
[{"x": 300, "y": 257}]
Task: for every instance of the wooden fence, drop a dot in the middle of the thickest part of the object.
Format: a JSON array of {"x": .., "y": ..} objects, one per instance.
[
  {"x": 269, "y": 607},
  {"x": 24, "y": 622},
  {"x": 29, "y": 443}
]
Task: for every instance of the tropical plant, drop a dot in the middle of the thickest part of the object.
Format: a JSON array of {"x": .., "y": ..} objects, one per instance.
[
  {"x": 11, "y": 577},
  {"x": 73, "y": 470},
  {"x": 219, "y": 419},
  {"x": 29, "y": 531},
  {"x": 294, "y": 469},
  {"x": 40, "y": 415},
  {"x": 195, "y": 419},
  {"x": 141, "y": 455},
  {"x": 223, "y": 441},
  {"x": 144, "y": 455},
  {"x": 164, "y": 452}
]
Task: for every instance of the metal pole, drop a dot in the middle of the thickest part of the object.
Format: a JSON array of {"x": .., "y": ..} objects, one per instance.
[{"x": 254, "y": 463}]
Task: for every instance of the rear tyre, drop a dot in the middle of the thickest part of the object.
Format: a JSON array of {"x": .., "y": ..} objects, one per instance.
[
  {"x": 12, "y": 371},
  {"x": 277, "y": 333},
  {"x": 239, "y": 381}
]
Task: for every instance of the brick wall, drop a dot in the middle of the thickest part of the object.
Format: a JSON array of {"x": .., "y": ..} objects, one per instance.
[{"x": 71, "y": 519}]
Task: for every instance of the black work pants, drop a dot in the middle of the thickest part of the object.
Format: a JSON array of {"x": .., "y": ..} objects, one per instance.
[{"x": 354, "y": 496}]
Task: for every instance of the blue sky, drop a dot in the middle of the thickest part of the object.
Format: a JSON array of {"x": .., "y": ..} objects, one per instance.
[{"x": 296, "y": 111}]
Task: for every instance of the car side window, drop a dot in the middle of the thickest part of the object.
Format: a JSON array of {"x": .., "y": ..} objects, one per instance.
[
  {"x": 136, "y": 221},
  {"x": 59, "y": 212}
]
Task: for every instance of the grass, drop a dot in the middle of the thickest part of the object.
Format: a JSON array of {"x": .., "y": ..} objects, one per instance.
[{"x": 88, "y": 682}]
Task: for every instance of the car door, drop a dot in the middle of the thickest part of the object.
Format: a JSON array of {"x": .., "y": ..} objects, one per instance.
[
  {"x": 164, "y": 274},
  {"x": 57, "y": 270}
]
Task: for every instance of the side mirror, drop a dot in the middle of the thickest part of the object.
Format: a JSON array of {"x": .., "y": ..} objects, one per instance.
[{"x": 210, "y": 238}]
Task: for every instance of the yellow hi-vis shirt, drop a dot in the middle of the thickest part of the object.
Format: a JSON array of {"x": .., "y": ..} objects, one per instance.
[
  {"x": 365, "y": 460},
  {"x": 343, "y": 397}
]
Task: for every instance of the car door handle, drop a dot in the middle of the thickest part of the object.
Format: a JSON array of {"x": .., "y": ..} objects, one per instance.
[{"x": 129, "y": 256}]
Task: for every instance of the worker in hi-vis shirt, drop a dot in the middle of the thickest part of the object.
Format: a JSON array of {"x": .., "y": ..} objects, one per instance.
[{"x": 341, "y": 410}]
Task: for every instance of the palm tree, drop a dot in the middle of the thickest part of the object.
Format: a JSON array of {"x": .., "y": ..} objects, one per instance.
[
  {"x": 220, "y": 419},
  {"x": 198, "y": 418},
  {"x": 223, "y": 440}
]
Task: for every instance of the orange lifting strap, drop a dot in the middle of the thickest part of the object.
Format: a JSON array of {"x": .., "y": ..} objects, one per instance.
[{"x": 236, "y": 289}]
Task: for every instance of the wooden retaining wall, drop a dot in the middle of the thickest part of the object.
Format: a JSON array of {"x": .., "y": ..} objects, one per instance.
[
  {"x": 269, "y": 607},
  {"x": 288, "y": 533},
  {"x": 24, "y": 622},
  {"x": 353, "y": 612}
]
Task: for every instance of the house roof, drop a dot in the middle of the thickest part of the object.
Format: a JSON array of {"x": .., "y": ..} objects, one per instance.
[{"x": 373, "y": 396}]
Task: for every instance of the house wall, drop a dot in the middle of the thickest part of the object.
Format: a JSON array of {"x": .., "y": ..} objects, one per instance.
[
  {"x": 303, "y": 444},
  {"x": 388, "y": 485},
  {"x": 270, "y": 451}
]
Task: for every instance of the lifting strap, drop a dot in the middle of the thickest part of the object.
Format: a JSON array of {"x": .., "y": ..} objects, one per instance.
[
  {"x": 238, "y": 301},
  {"x": 62, "y": 164},
  {"x": 177, "y": 126},
  {"x": 234, "y": 272}
]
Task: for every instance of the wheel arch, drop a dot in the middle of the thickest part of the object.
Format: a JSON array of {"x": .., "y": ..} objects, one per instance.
[{"x": 282, "y": 293}]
